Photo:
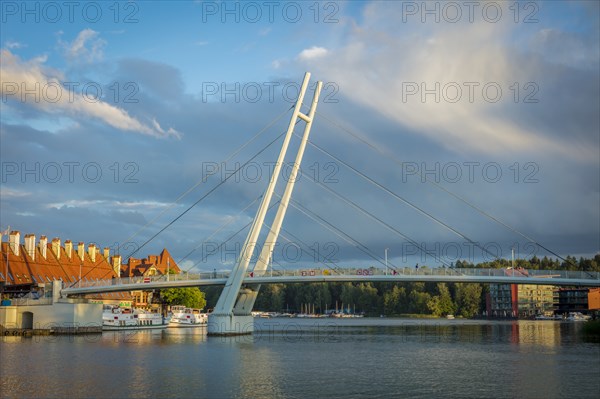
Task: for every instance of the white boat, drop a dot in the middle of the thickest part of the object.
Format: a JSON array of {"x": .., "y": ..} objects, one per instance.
[
  {"x": 116, "y": 318},
  {"x": 450, "y": 317},
  {"x": 182, "y": 316},
  {"x": 577, "y": 316}
]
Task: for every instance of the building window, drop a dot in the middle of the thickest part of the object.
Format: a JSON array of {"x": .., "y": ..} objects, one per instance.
[
  {"x": 48, "y": 278},
  {"x": 33, "y": 278},
  {"x": 11, "y": 277},
  {"x": 2, "y": 275}
]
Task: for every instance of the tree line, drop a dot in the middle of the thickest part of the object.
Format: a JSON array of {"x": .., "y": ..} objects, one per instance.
[{"x": 395, "y": 299}]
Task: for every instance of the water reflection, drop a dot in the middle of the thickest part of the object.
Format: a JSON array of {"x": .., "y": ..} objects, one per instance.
[
  {"x": 260, "y": 372},
  {"x": 309, "y": 358}
]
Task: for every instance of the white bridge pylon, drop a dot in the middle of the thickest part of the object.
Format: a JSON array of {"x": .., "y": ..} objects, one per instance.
[{"x": 231, "y": 315}]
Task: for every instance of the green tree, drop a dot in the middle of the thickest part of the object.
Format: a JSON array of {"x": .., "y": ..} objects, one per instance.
[
  {"x": 441, "y": 304},
  {"x": 393, "y": 299},
  {"x": 190, "y": 297},
  {"x": 270, "y": 298},
  {"x": 468, "y": 298}
]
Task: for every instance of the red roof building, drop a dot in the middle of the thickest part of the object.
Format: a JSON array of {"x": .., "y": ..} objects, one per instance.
[
  {"x": 153, "y": 265},
  {"x": 25, "y": 265},
  {"x": 44, "y": 262}
]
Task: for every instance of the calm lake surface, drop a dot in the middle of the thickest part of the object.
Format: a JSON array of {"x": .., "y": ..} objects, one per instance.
[{"x": 309, "y": 358}]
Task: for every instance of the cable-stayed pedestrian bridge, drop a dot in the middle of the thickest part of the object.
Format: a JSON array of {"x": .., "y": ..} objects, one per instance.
[
  {"x": 242, "y": 284},
  {"x": 423, "y": 274}
]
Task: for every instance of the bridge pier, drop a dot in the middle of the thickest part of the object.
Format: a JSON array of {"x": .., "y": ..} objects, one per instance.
[{"x": 230, "y": 324}]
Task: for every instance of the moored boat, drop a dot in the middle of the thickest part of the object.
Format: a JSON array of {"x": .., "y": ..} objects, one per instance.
[
  {"x": 115, "y": 318},
  {"x": 182, "y": 316},
  {"x": 577, "y": 316}
]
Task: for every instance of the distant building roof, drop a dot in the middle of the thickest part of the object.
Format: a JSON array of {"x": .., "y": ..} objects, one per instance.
[
  {"x": 25, "y": 269},
  {"x": 152, "y": 265}
]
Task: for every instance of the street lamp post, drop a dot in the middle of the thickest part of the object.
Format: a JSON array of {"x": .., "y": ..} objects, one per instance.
[{"x": 386, "y": 263}]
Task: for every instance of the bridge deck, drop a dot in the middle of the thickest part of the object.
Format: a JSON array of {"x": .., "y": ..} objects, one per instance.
[{"x": 507, "y": 276}]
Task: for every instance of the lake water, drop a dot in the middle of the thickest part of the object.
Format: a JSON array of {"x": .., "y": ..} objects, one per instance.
[{"x": 309, "y": 358}]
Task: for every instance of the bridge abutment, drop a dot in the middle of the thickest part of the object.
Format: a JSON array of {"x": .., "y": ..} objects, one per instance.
[{"x": 229, "y": 324}]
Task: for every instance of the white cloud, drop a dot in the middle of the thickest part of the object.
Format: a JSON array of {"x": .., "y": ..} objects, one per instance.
[
  {"x": 378, "y": 61},
  {"x": 6, "y": 193},
  {"x": 264, "y": 31},
  {"x": 108, "y": 204},
  {"x": 52, "y": 97},
  {"x": 312, "y": 53},
  {"x": 87, "y": 47},
  {"x": 12, "y": 45}
]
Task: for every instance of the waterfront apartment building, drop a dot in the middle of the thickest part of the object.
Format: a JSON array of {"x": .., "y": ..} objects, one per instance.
[
  {"x": 584, "y": 300},
  {"x": 526, "y": 300},
  {"x": 501, "y": 301},
  {"x": 533, "y": 300},
  {"x": 520, "y": 300}
]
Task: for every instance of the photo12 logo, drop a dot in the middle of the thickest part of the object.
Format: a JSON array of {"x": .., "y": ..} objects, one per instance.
[
  {"x": 253, "y": 92},
  {"x": 288, "y": 252},
  {"x": 252, "y": 12},
  {"x": 453, "y": 12},
  {"x": 68, "y": 172},
  {"x": 53, "y": 12},
  {"x": 471, "y": 92},
  {"x": 469, "y": 171},
  {"x": 70, "y": 92},
  {"x": 253, "y": 172},
  {"x": 452, "y": 251}
]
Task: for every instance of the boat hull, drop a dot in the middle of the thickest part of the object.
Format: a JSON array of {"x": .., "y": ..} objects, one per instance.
[{"x": 128, "y": 328}]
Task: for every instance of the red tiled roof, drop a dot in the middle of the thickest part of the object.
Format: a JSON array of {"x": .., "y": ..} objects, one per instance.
[
  {"x": 138, "y": 267},
  {"x": 23, "y": 269}
]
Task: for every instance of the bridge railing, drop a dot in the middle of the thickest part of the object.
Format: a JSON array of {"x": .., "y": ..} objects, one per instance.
[
  {"x": 150, "y": 279},
  {"x": 370, "y": 271},
  {"x": 440, "y": 271}
]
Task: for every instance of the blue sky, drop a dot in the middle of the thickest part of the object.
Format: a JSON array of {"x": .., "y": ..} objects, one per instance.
[{"x": 498, "y": 108}]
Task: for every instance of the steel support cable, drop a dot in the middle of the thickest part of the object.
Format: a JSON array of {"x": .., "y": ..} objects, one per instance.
[
  {"x": 237, "y": 151},
  {"x": 327, "y": 259},
  {"x": 293, "y": 236},
  {"x": 346, "y": 237},
  {"x": 234, "y": 234},
  {"x": 219, "y": 229},
  {"x": 244, "y": 227},
  {"x": 400, "y": 198},
  {"x": 205, "y": 178},
  {"x": 301, "y": 249},
  {"x": 391, "y": 228},
  {"x": 206, "y": 195},
  {"x": 439, "y": 186}
]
